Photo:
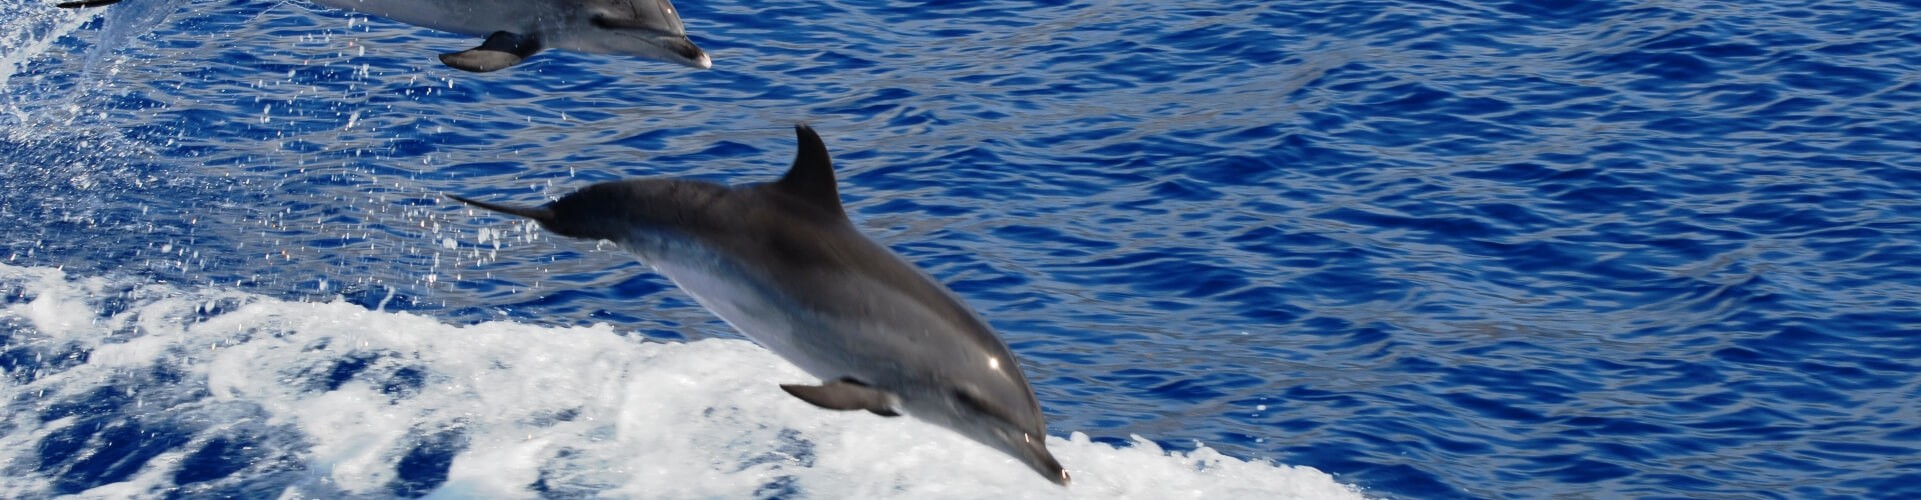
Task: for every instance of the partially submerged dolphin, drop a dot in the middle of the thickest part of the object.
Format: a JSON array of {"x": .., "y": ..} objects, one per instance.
[
  {"x": 782, "y": 263},
  {"x": 516, "y": 29}
]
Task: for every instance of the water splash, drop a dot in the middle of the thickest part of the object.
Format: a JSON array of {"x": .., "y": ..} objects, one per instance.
[{"x": 217, "y": 392}]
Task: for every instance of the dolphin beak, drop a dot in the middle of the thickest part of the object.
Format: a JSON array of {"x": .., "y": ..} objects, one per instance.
[
  {"x": 1049, "y": 468},
  {"x": 684, "y": 51},
  {"x": 1038, "y": 458}
]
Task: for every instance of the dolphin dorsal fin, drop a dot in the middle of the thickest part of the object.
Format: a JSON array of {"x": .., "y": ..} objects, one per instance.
[{"x": 811, "y": 179}]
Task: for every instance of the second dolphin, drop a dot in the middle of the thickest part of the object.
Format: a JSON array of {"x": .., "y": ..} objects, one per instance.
[
  {"x": 516, "y": 29},
  {"x": 782, "y": 263}
]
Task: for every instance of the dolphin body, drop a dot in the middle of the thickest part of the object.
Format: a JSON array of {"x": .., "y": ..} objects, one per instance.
[
  {"x": 782, "y": 263},
  {"x": 517, "y": 29}
]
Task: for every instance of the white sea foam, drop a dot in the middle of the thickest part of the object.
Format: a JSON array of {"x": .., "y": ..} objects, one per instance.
[
  {"x": 31, "y": 27},
  {"x": 333, "y": 396}
]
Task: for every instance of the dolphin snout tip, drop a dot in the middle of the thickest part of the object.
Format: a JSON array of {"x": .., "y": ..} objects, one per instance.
[
  {"x": 1044, "y": 462},
  {"x": 704, "y": 62}
]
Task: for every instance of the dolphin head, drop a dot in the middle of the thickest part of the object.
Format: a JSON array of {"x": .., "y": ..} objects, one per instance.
[
  {"x": 989, "y": 401},
  {"x": 642, "y": 28}
]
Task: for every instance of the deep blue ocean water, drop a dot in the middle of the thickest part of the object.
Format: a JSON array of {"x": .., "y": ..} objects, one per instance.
[{"x": 1508, "y": 249}]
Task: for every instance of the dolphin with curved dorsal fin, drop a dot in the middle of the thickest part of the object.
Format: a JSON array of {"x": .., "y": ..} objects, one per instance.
[
  {"x": 782, "y": 263},
  {"x": 517, "y": 29}
]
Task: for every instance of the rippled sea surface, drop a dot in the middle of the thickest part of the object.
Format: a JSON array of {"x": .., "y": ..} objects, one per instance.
[{"x": 1501, "y": 249}]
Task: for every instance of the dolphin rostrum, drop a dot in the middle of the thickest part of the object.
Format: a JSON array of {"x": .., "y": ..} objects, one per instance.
[
  {"x": 516, "y": 29},
  {"x": 782, "y": 263}
]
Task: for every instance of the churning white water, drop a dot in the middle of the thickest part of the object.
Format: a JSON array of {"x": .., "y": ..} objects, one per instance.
[{"x": 221, "y": 392}]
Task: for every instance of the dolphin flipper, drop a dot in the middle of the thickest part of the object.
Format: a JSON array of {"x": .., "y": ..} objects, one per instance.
[
  {"x": 502, "y": 49},
  {"x": 845, "y": 394},
  {"x": 82, "y": 4}
]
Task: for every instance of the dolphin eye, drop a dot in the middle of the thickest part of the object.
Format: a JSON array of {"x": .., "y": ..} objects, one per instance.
[{"x": 969, "y": 399}]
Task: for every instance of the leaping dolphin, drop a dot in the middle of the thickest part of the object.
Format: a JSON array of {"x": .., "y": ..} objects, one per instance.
[
  {"x": 782, "y": 263},
  {"x": 516, "y": 29}
]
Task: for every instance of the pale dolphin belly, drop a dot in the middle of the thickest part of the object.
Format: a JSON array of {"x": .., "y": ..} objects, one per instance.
[{"x": 771, "y": 320}]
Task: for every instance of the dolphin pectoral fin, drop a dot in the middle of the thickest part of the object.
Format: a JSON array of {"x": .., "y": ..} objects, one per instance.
[
  {"x": 82, "y": 4},
  {"x": 502, "y": 49},
  {"x": 844, "y": 395}
]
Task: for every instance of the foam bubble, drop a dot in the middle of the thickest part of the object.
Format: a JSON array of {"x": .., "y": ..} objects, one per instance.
[{"x": 301, "y": 399}]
